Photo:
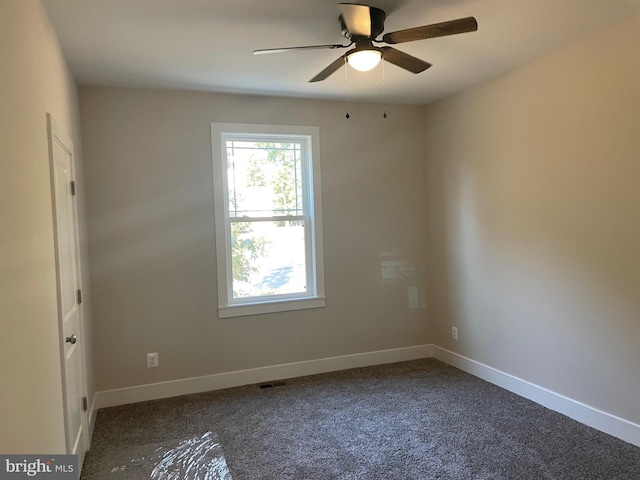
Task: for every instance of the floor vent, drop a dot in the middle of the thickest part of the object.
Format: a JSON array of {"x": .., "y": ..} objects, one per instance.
[{"x": 272, "y": 384}]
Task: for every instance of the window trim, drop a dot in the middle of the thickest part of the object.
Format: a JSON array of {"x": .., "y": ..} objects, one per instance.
[{"x": 312, "y": 299}]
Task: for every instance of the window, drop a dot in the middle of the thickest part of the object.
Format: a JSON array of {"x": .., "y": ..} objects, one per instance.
[{"x": 268, "y": 218}]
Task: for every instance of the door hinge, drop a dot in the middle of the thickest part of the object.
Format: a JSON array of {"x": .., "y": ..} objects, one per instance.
[
  {"x": 73, "y": 188},
  {"x": 85, "y": 403},
  {"x": 79, "y": 295}
]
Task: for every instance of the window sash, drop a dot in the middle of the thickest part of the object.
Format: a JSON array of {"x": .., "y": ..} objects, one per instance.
[
  {"x": 310, "y": 264},
  {"x": 308, "y": 139},
  {"x": 301, "y": 145}
]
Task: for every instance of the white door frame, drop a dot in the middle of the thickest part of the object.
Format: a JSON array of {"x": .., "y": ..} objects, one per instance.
[{"x": 55, "y": 136}]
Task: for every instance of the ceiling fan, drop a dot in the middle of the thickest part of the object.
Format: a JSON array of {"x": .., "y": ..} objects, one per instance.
[{"x": 362, "y": 24}]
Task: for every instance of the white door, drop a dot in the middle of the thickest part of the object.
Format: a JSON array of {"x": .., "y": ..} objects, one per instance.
[{"x": 69, "y": 295}]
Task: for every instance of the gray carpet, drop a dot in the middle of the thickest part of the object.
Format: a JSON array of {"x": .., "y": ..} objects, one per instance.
[{"x": 412, "y": 420}]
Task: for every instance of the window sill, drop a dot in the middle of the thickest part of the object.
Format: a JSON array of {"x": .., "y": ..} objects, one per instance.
[{"x": 259, "y": 308}]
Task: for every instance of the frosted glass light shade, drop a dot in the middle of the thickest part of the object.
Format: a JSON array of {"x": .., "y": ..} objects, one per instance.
[{"x": 364, "y": 60}]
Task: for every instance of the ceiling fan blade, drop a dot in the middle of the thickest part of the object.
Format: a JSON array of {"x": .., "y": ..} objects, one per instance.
[
  {"x": 404, "y": 60},
  {"x": 264, "y": 51},
  {"x": 357, "y": 19},
  {"x": 332, "y": 68},
  {"x": 452, "y": 27}
]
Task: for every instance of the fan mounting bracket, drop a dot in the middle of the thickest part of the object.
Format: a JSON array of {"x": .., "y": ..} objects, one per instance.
[{"x": 377, "y": 25}]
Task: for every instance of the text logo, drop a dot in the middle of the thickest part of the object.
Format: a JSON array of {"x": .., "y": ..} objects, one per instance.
[{"x": 46, "y": 467}]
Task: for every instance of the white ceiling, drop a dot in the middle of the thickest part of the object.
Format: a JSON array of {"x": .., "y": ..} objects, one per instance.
[{"x": 208, "y": 44}]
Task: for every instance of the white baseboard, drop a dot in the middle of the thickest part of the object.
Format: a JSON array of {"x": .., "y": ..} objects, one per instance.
[
  {"x": 603, "y": 421},
  {"x": 154, "y": 391}
]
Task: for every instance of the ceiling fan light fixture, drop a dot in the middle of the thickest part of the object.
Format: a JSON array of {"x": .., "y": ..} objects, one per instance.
[
  {"x": 364, "y": 60},
  {"x": 362, "y": 25}
]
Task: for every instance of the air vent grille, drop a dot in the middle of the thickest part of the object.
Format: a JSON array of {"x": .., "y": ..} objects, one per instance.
[{"x": 279, "y": 383}]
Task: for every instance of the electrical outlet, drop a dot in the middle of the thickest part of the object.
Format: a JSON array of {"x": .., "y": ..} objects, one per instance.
[
  {"x": 152, "y": 360},
  {"x": 454, "y": 333}
]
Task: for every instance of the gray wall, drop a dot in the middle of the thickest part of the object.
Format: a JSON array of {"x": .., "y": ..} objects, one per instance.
[
  {"x": 147, "y": 156},
  {"x": 533, "y": 200},
  {"x": 34, "y": 80}
]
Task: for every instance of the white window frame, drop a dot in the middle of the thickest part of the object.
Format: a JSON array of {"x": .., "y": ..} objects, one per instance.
[{"x": 315, "y": 296}]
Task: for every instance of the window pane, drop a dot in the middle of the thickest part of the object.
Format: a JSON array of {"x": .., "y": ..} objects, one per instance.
[
  {"x": 264, "y": 178},
  {"x": 268, "y": 258}
]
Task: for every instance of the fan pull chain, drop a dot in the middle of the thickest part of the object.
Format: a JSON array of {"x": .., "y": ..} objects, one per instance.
[
  {"x": 384, "y": 91},
  {"x": 346, "y": 87}
]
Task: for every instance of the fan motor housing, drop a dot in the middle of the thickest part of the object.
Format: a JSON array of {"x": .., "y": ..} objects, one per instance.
[{"x": 377, "y": 24}]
